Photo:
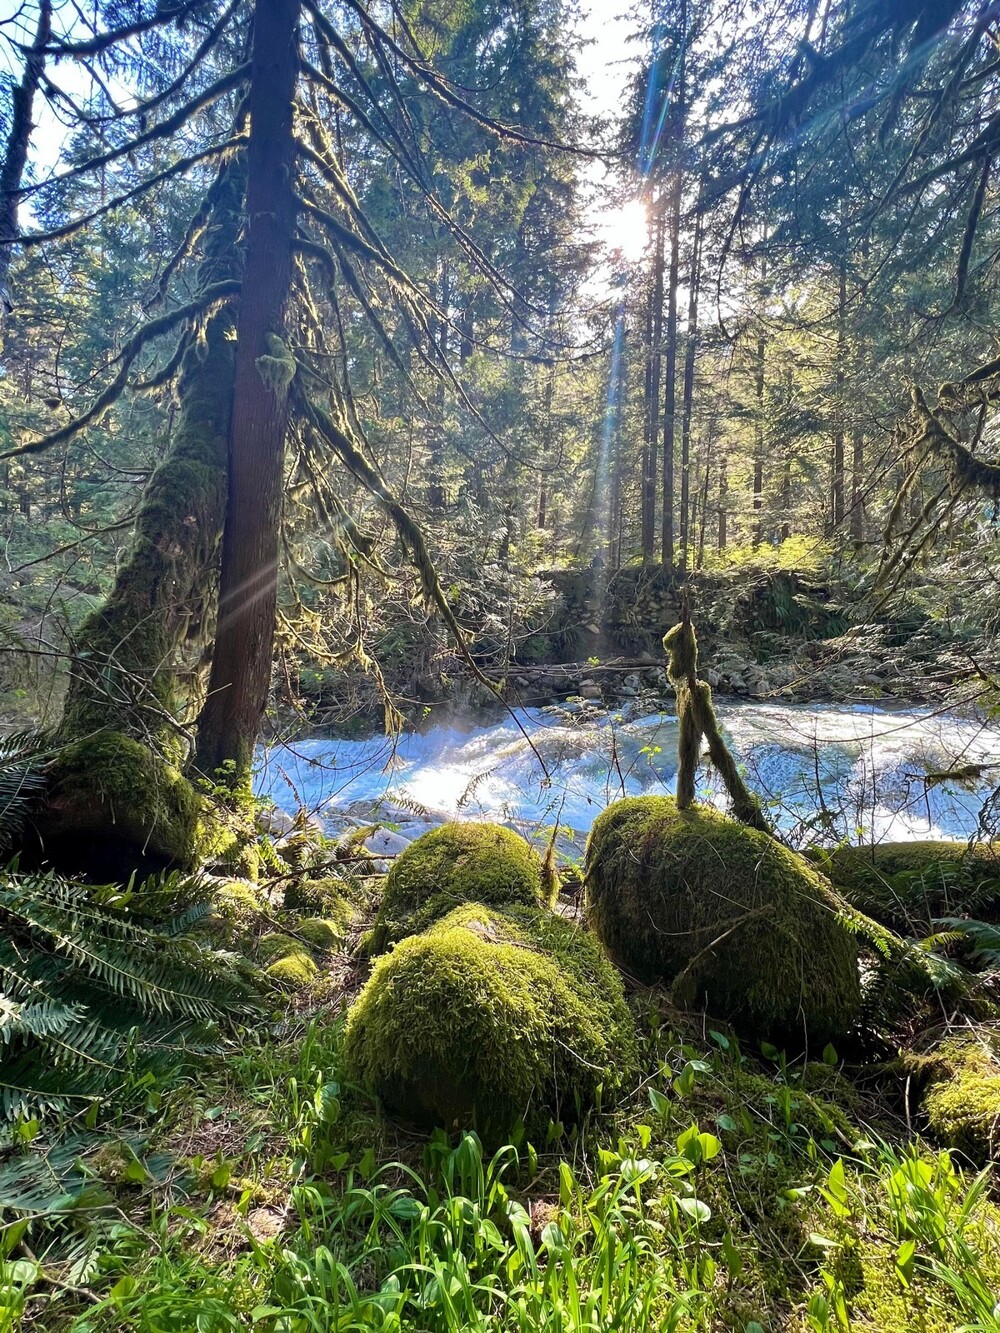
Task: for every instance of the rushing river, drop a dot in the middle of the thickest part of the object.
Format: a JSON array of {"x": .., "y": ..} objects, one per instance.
[{"x": 827, "y": 771}]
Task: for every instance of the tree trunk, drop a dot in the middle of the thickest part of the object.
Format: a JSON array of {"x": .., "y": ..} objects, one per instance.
[
  {"x": 439, "y": 332},
  {"x": 690, "y": 350},
  {"x": 758, "y": 437},
  {"x": 16, "y": 153},
  {"x": 244, "y": 646},
  {"x": 723, "y": 498},
  {"x": 649, "y": 467},
  {"x": 134, "y": 665},
  {"x": 670, "y": 376},
  {"x": 837, "y": 479}
]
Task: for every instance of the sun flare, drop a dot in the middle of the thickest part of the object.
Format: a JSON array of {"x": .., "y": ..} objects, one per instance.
[{"x": 625, "y": 229}]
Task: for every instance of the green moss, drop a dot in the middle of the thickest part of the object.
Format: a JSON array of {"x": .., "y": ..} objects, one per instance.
[
  {"x": 489, "y": 1016},
  {"x": 903, "y": 883},
  {"x": 331, "y": 898},
  {"x": 457, "y": 863},
  {"x": 237, "y": 910},
  {"x": 294, "y": 970},
  {"x": 276, "y": 945},
  {"x": 320, "y": 933},
  {"x": 111, "y": 797},
  {"x": 962, "y": 1098},
  {"x": 731, "y": 919}
]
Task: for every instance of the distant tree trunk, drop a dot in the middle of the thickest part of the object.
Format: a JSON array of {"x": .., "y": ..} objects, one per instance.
[
  {"x": 857, "y": 485},
  {"x": 439, "y": 332},
  {"x": 16, "y": 152},
  {"x": 723, "y": 498},
  {"x": 652, "y": 440},
  {"x": 700, "y": 558},
  {"x": 786, "y": 468},
  {"x": 543, "y": 488},
  {"x": 758, "y": 436},
  {"x": 837, "y": 479},
  {"x": 670, "y": 375},
  {"x": 241, "y": 663},
  {"x": 690, "y": 350}
]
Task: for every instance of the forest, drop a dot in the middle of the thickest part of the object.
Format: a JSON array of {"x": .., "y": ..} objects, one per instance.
[{"x": 500, "y": 666}]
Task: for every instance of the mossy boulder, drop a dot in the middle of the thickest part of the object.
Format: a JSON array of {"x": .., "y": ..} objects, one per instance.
[
  {"x": 114, "y": 806},
  {"x": 321, "y": 933},
  {"x": 962, "y": 1096},
  {"x": 290, "y": 964},
  {"x": 457, "y": 863},
  {"x": 729, "y": 918},
  {"x": 490, "y": 1016},
  {"x": 906, "y": 885}
]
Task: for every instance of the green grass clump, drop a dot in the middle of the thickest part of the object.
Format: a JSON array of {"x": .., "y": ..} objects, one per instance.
[
  {"x": 487, "y": 1017},
  {"x": 735, "y": 922},
  {"x": 903, "y": 884},
  {"x": 457, "y": 863},
  {"x": 962, "y": 1098}
]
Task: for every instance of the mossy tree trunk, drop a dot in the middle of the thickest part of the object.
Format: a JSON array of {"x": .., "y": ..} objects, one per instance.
[
  {"x": 133, "y": 667},
  {"x": 241, "y": 663}
]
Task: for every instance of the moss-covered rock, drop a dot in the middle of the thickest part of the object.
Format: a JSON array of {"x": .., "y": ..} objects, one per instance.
[
  {"x": 907, "y": 884},
  {"x": 731, "y": 919},
  {"x": 321, "y": 933},
  {"x": 114, "y": 806},
  {"x": 294, "y": 970},
  {"x": 451, "y": 865},
  {"x": 488, "y": 1016},
  {"x": 290, "y": 963},
  {"x": 962, "y": 1096}
]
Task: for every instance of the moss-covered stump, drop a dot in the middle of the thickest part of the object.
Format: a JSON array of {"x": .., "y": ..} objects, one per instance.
[
  {"x": 962, "y": 1096},
  {"x": 451, "y": 865},
  {"x": 732, "y": 920},
  {"x": 490, "y": 1016},
  {"x": 114, "y": 807},
  {"x": 907, "y": 884}
]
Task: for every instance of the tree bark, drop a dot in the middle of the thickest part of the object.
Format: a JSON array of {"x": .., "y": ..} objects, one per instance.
[
  {"x": 690, "y": 350},
  {"x": 241, "y": 664},
  {"x": 134, "y": 664},
  {"x": 649, "y": 468},
  {"x": 837, "y": 479},
  {"x": 16, "y": 153},
  {"x": 670, "y": 375}
]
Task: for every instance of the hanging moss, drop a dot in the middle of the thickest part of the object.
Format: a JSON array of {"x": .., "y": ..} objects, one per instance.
[
  {"x": 734, "y": 922},
  {"x": 454, "y": 864},
  {"x": 113, "y": 806},
  {"x": 490, "y": 1016},
  {"x": 962, "y": 1097},
  {"x": 904, "y": 884}
]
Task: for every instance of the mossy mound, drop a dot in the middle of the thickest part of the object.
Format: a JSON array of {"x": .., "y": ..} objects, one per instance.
[
  {"x": 321, "y": 933},
  {"x": 490, "y": 1016},
  {"x": 903, "y": 884},
  {"x": 731, "y": 919},
  {"x": 114, "y": 807},
  {"x": 451, "y": 865},
  {"x": 330, "y": 898},
  {"x": 290, "y": 963},
  {"x": 962, "y": 1098}
]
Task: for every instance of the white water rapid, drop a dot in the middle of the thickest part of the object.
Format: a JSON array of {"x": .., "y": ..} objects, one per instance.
[{"x": 827, "y": 772}]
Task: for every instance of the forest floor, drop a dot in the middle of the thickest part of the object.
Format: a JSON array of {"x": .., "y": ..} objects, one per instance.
[{"x": 730, "y": 1189}]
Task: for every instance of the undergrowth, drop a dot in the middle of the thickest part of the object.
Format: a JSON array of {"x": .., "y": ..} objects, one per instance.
[{"x": 730, "y": 1193}]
